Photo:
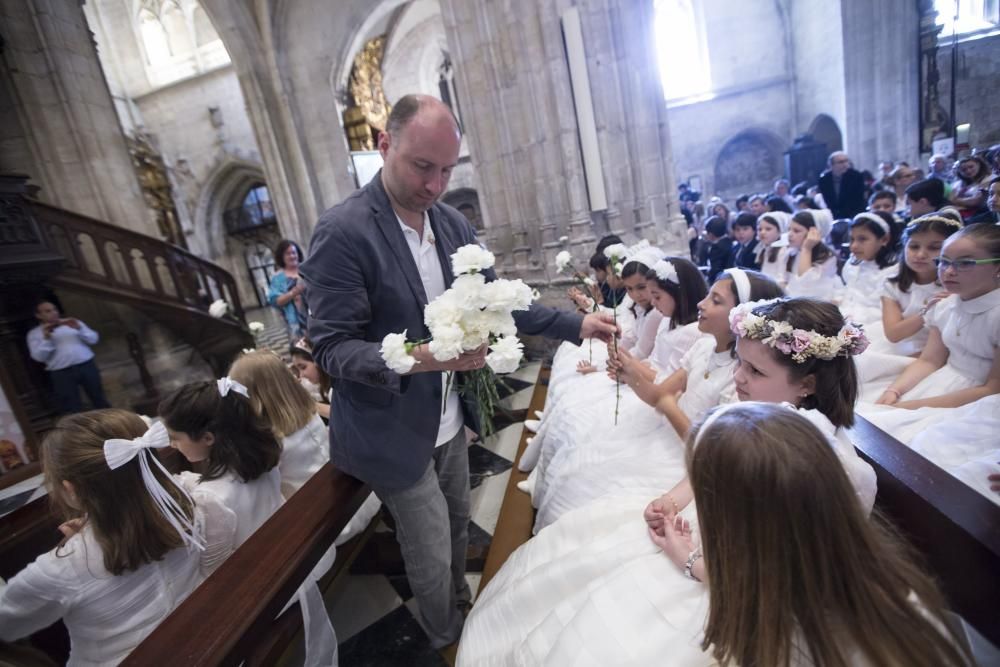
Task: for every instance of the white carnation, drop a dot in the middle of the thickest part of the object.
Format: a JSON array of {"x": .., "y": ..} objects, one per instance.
[
  {"x": 615, "y": 252},
  {"x": 442, "y": 312},
  {"x": 446, "y": 343},
  {"x": 395, "y": 354},
  {"x": 218, "y": 308},
  {"x": 471, "y": 258},
  {"x": 589, "y": 282},
  {"x": 508, "y": 295},
  {"x": 505, "y": 354},
  {"x": 468, "y": 292},
  {"x": 563, "y": 261},
  {"x": 563, "y": 239},
  {"x": 255, "y": 327}
]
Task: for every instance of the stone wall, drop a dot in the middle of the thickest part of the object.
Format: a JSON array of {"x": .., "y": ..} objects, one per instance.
[{"x": 978, "y": 71}]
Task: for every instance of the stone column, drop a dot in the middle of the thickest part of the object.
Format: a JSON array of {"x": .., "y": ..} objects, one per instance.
[
  {"x": 522, "y": 129},
  {"x": 61, "y": 115}
]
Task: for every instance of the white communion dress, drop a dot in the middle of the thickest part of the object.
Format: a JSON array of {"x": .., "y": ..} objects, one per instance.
[
  {"x": 597, "y": 457},
  {"x": 861, "y": 298},
  {"x": 592, "y": 588},
  {"x": 107, "y": 615},
  {"x": 910, "y": 303}
]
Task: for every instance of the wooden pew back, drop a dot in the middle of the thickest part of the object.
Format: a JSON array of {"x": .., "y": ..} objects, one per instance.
[{"x": 954, "y": 527}]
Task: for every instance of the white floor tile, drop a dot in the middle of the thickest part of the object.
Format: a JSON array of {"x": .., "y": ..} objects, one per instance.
[
  {"x": 486, "y": 500},
  {"x": 504, "y": 443}
]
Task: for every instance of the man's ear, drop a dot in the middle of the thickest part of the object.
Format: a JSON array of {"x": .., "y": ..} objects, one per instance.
[{"x": 383, "y": 143}]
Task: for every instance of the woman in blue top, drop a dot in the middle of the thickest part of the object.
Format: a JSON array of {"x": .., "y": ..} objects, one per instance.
[{"x": 286, "y": 289}]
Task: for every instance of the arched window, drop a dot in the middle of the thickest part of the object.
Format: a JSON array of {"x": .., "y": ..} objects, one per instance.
[
  {"x": 681, "y": 49},
  {"x": 966, "y": 16},
  {"x": 154, "y": 38},
  {"x": 256, "y": 210},
  {"x": 178, "y": 33},
  {"x": 204, "y": 31}
]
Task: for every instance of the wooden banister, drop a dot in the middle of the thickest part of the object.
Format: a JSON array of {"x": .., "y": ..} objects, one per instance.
[
  {"x": 954, "y": 527},
  {"x": 222, "y": 621}
]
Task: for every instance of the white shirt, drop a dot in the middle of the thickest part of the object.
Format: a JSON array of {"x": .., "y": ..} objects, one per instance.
[
  {"x": 302, "y": 454},
  {"x": 64, "y": 348},
  {"x": 432, "y": 276}
]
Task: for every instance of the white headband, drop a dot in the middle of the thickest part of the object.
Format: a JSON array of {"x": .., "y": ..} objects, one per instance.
[
  {"x": 118, "y": 452},
  {"x": 227, "y": 384},
  {"x": 742, "y": 283},
  {"x": 871, "y": 217},
  {"x": 665, "y": 271}
]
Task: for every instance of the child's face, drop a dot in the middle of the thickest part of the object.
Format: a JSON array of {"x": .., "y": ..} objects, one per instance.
[
  {"x": 636, "y": 288},
  {"x": 971, "y": 282},
  {"x": 767, "y": 233},
  {"x": 759, "y": 376},
  {"x": 921, "y": 249},
  {"x": 757, "y": 206},
  {"x": 883, "y": 204},
  {"x": 307, "y": 369},
  {"x": 993, "y": 200},
  {"x": 743, "y": 234},
  {"x": 796, "y": 234},
  {"x": 614, "y": 282},
  {"x": 864, "y": 244},
  {"x": 194, "y": 450},
  {"x": 661, "y": 299},
  {"x": 713, "y": 310},
  {"x": 600, "y": 275}
]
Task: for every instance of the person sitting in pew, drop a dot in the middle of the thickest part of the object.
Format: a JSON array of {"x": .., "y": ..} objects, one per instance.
[{"x": 136, "y": 543}]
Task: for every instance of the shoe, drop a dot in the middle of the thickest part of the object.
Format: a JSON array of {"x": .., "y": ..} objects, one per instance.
[
  {"x": 532, "y": 425},
  {"x": 540, "y": 414},
  {"x": 523, "y": 485}
]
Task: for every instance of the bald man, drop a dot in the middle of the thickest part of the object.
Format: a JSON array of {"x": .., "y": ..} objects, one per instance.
[
  {"x": 842, "y": 186},
  {"x": 374, "y": 262}
]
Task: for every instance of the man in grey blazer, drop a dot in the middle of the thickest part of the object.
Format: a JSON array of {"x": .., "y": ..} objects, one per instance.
[{"x": 375, "y": 260}]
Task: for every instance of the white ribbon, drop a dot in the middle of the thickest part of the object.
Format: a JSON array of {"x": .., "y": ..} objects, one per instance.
[
  {"x": 742, "y": 283},
  {"x": 227, "y": 384},
  {"x": 665, "y": 271},
  {"x": 874, "y": 219},
  {"x": 118, "y": 452}
]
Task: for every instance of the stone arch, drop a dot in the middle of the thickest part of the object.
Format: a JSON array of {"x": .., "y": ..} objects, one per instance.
[
  {"x": 824, "y": 130},
  {"x": 466, "y": 200},
  {"x": 749, "y": 161},
  {"x": 228, "y": 182}
]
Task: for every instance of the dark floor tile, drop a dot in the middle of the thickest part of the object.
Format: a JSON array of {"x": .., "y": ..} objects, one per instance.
[
  {"x": 478, "y": 537},
  {"x": 395, "y": 639},
  {"x": 483, "y": 463},
  {"x": 401, "y": 585}
]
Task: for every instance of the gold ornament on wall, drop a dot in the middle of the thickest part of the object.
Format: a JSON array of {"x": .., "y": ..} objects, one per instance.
[{"x": 369, "y": 110}]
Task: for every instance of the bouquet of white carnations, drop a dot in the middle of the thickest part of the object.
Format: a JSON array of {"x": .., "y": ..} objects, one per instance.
[{"x": 470, "y": 314}]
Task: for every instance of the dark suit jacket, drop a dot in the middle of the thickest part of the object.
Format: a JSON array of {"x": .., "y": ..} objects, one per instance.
[
  {"x": 745, "y": 257},
  {"x": 720, "y": 257},
  {"x": 363, "y": 284},
  {"x": 852, "y": 193}
]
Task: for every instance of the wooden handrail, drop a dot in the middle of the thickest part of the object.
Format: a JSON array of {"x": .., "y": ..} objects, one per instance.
[
  {"x": 179, "y": 277},
  {"x": 954, "y": 527},
  {"x": 221, "y": 621}
]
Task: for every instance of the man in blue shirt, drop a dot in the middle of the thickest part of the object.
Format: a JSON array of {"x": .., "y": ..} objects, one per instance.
[{"x": 63, "y": 345}]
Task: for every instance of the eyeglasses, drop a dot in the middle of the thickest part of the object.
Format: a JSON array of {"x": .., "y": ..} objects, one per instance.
[{"x": 961, "y": 265}]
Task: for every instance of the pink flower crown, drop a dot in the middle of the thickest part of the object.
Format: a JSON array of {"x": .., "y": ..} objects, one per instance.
[{"x": 799, "y": 344}]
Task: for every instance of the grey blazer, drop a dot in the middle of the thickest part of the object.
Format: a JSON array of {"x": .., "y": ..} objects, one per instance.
[{"x": 363, "y": 284}]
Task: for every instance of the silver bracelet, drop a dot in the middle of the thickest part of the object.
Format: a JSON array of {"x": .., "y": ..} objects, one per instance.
[{"x": 689, "y": 565}]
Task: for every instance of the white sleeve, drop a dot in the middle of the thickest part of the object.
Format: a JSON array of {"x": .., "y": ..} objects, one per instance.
[
  {"x": 217, "y": 524},
  {"x": 647, "y": 336},
  {"x": 88, "y": 335},
  {"x": 39, "y": 347},
  {"x": 34, "y": 599}
]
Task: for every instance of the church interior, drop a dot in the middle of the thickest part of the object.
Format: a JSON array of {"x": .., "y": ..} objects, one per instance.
[{"x": 156, "y": 155}]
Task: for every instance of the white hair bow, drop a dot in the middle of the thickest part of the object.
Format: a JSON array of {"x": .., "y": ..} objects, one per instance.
[
  {"x": 118, "y": 452},
  {"x": 227, "y": 384}
]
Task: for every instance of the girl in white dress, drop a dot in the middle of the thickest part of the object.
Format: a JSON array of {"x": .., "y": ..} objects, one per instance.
[
  {"x": 600, "y": 457},
  {"x": 305, "y": 440},
  {"x": 772, "y": 230},
  {"x": 308, "y": 370},
  {"x": 914, "y": 289},
  {"x": 593, "y": 589},
  {"x": 234, "y": 451},
  {"x": 793, "y": 561},
  {"x": 675, "y": 298},
  {"x": 811, "y": 264},
  {"x": 136, "y": 544},
  {"x": 961, "y": 361},
  {"x": 872, "y": 262}
]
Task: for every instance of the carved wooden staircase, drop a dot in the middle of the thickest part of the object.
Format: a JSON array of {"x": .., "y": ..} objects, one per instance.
[{"x": 43, "y": 248}]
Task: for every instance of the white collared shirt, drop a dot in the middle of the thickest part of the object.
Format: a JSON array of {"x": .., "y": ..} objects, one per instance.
[
  {"x": 64, "y": 348},
  {"x": 432, "y": 276}
]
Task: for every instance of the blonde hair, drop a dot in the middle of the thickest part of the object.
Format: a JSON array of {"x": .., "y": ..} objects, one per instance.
[
  {"x": 275, "y": 393},
  {"x": 115, "y": 503},
  {"x": 795, "y": 567}
]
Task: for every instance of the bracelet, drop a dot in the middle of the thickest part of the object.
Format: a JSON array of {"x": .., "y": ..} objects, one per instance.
[
  {"x": 689, "y": 565},
  {"x": 677, "y": 510}
]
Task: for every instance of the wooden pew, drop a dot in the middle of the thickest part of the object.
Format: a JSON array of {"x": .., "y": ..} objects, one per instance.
[
  {"x": 230, "y": 618},
  {"x": 955, "y": 528}
]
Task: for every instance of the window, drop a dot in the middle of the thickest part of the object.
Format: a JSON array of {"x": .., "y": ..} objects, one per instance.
[
  {"x": 178, "y": 39},
  {"x": 681, "y": 50},
  {"x": 966, "y": 16}
]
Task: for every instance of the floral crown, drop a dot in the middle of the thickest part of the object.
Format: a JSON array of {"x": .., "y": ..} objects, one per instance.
[{"x": 799, "y": 344}]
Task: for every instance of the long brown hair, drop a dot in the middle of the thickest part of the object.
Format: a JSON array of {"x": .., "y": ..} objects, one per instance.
[
  {"x": 795, "y": 568},
  {"x": 244, "y": 442},
  {"x": 114, "y": 503},
  {"x": 275, "y": 394}
]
